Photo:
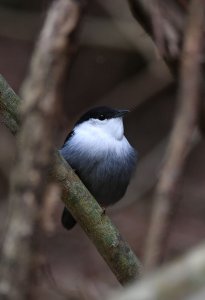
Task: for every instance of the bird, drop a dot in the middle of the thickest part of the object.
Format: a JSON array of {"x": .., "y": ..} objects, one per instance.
[{"x": 99, "y": 153}]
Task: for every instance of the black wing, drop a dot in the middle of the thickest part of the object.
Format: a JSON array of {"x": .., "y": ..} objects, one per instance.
[{"x": 68, "y": 137}]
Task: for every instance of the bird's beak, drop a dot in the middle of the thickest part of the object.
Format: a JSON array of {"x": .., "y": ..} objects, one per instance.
[{"x": 121, "y": 113}]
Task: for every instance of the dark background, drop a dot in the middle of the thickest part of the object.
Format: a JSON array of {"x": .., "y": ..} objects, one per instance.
[{"x": 115, "y": 63}]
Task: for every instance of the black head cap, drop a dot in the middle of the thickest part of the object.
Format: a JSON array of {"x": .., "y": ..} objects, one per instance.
[{"x": 102, "y": 113}]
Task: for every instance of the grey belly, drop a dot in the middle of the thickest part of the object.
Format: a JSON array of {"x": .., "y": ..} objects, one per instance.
[{"x": 107, "y": 179}]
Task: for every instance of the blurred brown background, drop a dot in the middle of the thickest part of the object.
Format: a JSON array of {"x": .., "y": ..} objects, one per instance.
[{"x": 115, "y": 63}]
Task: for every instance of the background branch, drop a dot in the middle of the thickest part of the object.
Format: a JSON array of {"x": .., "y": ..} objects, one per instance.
[
  {"x": 181, "y": 136},
  {"x": 34, "y": 149},
  {"x": 175, "y": 281},
  {"x": 165, "y": 22}
]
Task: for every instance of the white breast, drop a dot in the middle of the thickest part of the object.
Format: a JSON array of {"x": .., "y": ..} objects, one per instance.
[{"x": 96, "y": 137}]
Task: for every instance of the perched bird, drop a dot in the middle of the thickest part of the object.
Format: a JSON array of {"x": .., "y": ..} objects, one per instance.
[{"x": 101, "y": 156}]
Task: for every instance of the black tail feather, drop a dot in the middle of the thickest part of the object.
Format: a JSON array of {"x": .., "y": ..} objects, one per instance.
[{"x": 67, "y": 219}]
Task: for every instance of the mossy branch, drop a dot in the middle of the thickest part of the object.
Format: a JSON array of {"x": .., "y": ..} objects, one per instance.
[
  {"x": 105, "y": 236},
  {"x": 9, "y": 104}
]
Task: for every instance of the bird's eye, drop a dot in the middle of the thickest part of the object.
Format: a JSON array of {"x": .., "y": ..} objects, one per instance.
[{"x": 101, "y": 117}]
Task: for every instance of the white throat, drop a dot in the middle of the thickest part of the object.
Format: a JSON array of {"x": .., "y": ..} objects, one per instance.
[
  {"x": 96, "y": 138},
  {"x": 108, "y": 128}
]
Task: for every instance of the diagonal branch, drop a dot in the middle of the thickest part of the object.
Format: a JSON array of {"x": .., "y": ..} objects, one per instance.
[
  {"x": 105, "y": 236},
  {"x": 9, "y": 107}
]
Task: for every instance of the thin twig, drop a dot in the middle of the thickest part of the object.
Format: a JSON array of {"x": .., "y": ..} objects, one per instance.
[
  {"x": 172, "y": 24},
  {"x": 35, "y": 140},
  {"x": 181, "y": 136}
]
